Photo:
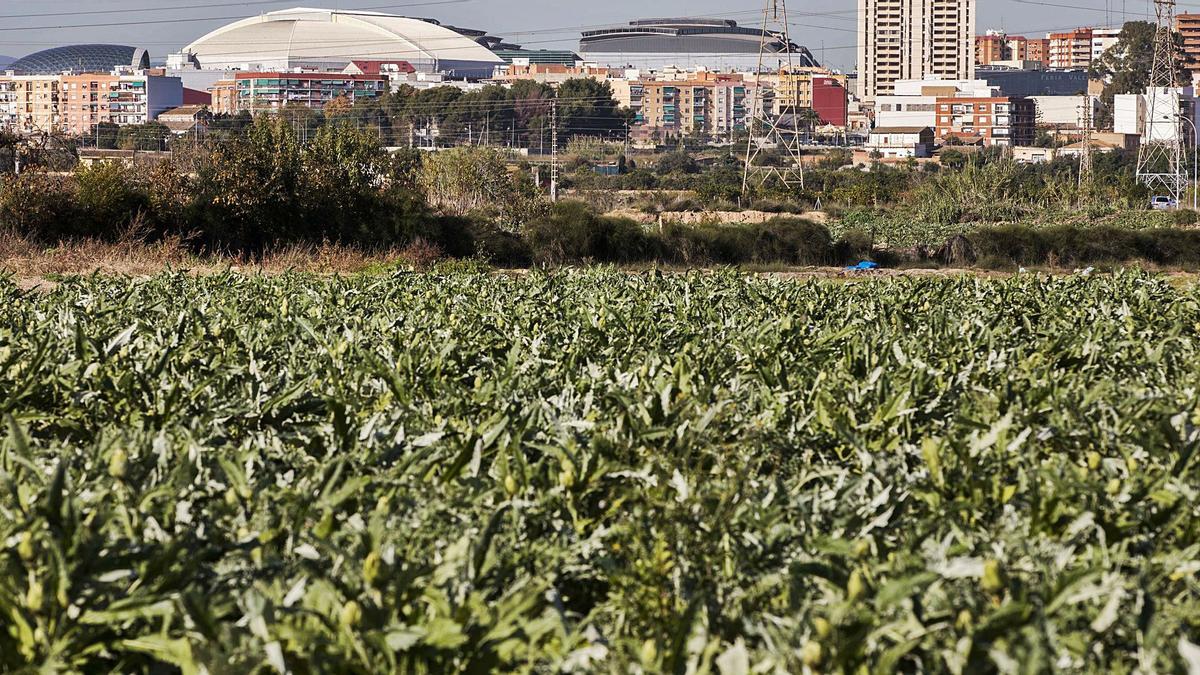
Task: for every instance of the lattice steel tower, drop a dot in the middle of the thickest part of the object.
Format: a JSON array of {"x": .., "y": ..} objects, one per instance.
[
  {"x": 1160, "y": 159},
  {"x": 779, "y": 127},
  {"x": 1085, "y": 157}
]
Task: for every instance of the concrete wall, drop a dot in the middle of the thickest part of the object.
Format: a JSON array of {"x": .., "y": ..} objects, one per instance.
[
  {"x": 1063, "y": 111},
  {"x": 162, "y": 94}
]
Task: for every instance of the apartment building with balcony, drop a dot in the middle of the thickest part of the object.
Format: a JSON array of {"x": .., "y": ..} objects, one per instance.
[
  {"x": 75, "y": 104},
  {"x": 631, "y": 94},
  {"x": 30, "y": 104},
  {"x": 1016, "y": 47},
  {"x": 680, "y": 107},
  {"x": 996, "y": 120},
  {"x": 1017, "y": 51},
  {"x": 9, "y": 107},
  {"x": 1072, "y": 49},
  {"x": 270, "y": 91},
  {"x": 1188, "y": 26},
  {"x": 734, "y": 104},
  {"x": 992, "y": 48},
  {"x": 811, "y": 89},
  {"x": 910, "y": 39},
  {"x": 914, "y": 103},
  {"x": 711, "y": 107},
  {"x": 1104, "y": 39},
  {"x": 1037, "y": 49},
  {"x": 121, "y": 97}
]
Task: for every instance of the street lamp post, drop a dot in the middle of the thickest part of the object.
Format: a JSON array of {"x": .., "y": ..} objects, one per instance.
[{"x": 1195, "y": 159}]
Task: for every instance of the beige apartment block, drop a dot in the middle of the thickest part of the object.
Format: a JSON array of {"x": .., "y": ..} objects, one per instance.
[
  {"x": 30, "y": 104},
  {"x": 909, "y": 39}
]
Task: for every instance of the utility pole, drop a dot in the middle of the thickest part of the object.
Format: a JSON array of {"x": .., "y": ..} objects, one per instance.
[
  {"x": 1160, "y": 159},
  {"x": 554, "y": 149},
  {"x": 775, "y": 49},
  {"x": 1085, "y": 158}
]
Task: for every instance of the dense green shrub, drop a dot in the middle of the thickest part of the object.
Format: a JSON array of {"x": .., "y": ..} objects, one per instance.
[
  {"x": 854, "y": 245},
  {"x": 1073, "y": 246},
  {"x": 791, "y": 241},
  {"x": 678, "y": 163},
  {"x": 39, "y": 206},
  {"x": 493, "y": 244},
  {"x": 108, "y": 198},
  {"x": 572, "y": 233},
  {"x": 1185, "y": 217},
  {"x": 267, "y": 188}
]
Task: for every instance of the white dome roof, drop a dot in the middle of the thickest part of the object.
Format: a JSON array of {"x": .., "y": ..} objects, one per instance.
[{"x": 302, "y": 37}]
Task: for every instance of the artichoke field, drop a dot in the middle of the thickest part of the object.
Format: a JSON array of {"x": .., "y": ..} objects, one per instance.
[{"x": 599, "y": 472}]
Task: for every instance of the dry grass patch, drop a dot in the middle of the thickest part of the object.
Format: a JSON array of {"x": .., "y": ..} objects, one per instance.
[
  {"x": 31, "y": 261},
  {"x": 25, "y": 258}
]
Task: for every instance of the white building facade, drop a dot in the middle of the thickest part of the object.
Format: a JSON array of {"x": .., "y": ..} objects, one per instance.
[
  {"x": 1065, "y": 112},
  {"x": 910, "y": 39},
  {"x": 913, "y": 103},
  {"x": 1158, "y": 117}
]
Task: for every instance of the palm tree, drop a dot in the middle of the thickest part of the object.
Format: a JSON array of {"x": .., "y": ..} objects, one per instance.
[{"x": 807, "y": 118}]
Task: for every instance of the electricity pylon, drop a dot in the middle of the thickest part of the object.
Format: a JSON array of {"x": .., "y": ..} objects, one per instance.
[
  {"x": 1160, "y": 159},
  {"x": 1085, "y": 158},
  {"x": 773, "y": 127}
]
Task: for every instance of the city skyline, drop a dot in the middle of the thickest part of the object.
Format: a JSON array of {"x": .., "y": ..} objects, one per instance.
[{"x": 827, "y": 27}]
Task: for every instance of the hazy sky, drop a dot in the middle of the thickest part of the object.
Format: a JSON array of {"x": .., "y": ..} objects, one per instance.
[{"x": 825, "y": 26}]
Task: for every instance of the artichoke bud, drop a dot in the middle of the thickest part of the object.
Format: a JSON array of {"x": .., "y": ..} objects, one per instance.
[
  {"x": 993, "y": 577},
  {"x": 351, "y": 614},
  {"x": 118, "y": 464},
  {"x": 25, "y": 548}
]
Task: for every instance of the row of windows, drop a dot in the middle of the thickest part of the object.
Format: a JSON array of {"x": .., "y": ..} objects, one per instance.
[
  {"x": 87, "y": 86},
  {"x": 979, "y": 121},
  {"x": 309, "y": 83}
]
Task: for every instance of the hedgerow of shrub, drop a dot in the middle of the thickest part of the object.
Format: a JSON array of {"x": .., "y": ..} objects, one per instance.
[{"x": 1072, "y": 246}]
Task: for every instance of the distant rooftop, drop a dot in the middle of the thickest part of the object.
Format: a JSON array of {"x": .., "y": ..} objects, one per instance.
[
  {"x": 689, "y": 36},
  {"x": 900, "y": 130},
  {"x": 686, "y": 21},
  {"x": 81, "y": 59}
]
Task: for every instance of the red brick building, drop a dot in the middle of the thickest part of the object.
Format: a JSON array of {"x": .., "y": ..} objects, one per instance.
[
  {"x": 1002, "y": 120},
  {"x": 830, "y": 100}
]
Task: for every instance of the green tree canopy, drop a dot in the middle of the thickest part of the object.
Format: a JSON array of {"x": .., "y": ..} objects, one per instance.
[{"x": 1126, "y": 67}]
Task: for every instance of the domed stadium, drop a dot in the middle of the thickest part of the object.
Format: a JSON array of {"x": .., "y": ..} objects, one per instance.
[
  {"x": 330, "y": 39},
  {"x": 718, "y": 44},
  {"x": 80, "y": 59}
]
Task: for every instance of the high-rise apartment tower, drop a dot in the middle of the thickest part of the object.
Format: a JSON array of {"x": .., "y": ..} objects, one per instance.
[{"x": 909, "y": 39}]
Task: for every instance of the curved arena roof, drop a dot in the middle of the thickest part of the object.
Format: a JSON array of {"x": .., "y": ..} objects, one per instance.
[
  {"x": 686, "y": 41},
  {"x": 81, "y": 58},
  {"x": 323, "y": 38}
]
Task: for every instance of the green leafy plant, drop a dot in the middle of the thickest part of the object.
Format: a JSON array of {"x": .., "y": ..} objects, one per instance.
[{"x": 599, "y": 472}]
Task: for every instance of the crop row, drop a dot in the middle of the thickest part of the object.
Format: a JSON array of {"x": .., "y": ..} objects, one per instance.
[{"x": 599, "y": 471}]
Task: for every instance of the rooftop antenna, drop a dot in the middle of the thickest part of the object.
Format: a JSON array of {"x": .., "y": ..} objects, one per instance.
[
  {"x": 1160, "y": 158},
  {"x": 766, "y": 126}
]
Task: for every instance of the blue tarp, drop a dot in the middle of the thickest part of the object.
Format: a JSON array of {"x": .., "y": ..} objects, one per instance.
[{"x": 864, "y": 265}]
